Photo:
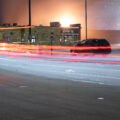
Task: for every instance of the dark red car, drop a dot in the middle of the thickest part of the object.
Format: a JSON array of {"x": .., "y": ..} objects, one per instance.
[{"x": 93, "y": 46}]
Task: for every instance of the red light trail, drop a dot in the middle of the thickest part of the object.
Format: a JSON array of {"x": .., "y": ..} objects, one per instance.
[
  {"x": 9, "y": 28},
  {"x": 37, "y": 51}
]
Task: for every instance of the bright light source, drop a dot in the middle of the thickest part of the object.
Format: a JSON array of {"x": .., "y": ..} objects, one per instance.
[
  {"x": 66, "y": 21},
  {"x": 4, "y": 44}
]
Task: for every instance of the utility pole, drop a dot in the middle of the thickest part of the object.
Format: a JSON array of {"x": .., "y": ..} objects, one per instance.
[
  {"x": 86, "y": 24},
  {"x": 29, "y": 8}
]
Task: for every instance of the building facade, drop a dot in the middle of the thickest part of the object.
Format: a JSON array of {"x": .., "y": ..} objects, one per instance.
[{"x": 42, "y": 34}]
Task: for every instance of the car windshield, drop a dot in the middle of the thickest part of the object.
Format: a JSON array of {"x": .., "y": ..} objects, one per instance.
[{"x": 59, "y": 59}]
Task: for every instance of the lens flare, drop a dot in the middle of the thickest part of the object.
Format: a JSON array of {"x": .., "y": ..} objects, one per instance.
[{"x": 66, "y": 21}]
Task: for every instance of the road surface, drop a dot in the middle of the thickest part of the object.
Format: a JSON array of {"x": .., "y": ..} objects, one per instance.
[
  {"x": 101, "y": 73},
  {"x": 28, "y": 97},
  {"x": 35, "y": 89}
]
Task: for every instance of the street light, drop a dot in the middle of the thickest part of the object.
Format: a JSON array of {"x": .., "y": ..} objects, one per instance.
[
  {"x": 29, "y": 7},
  {"x": 86, "y": 24}
]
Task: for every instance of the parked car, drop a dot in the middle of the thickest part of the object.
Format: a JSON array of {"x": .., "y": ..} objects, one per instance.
[{"x": 93, "y": 46}]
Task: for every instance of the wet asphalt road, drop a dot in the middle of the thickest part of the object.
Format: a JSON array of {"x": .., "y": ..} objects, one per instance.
[{"x": 29, "y": 97}]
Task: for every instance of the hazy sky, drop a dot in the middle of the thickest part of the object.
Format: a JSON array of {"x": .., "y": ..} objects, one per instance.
[{"x": 102, "y": 14}]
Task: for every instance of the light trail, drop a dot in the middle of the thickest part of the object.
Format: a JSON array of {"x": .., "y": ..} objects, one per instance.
[
  {"x": 34, "y": 56},
  {"x": 37, "y": 51},
  {"x": 10, "y": 28},
  {"x": 50, "y": 47},
  {"x": 59, "y": 47},
  {"x": 65, "y": 60}
]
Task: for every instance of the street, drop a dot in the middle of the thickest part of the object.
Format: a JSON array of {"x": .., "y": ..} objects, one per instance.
[
  {"x": 91, "y": 69},
  {"x": 36, "y": 89},
  {"x": 29, "y": 97}
]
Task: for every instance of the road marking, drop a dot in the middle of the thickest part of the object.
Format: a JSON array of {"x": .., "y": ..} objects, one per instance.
[
  {"x": 23, "y": 86},
  {"x": 101, "y": 98}
]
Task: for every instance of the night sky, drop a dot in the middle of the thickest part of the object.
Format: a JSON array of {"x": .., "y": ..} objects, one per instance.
[{"x": 102, "y": 14}]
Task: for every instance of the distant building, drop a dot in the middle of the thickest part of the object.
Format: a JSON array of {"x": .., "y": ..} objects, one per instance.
[
  {"x": 72, "y": 33},
  {"x": 55, "y": 24},
  {"x": 41, "y": 34},
  {"x": 77, "y": 30}
]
